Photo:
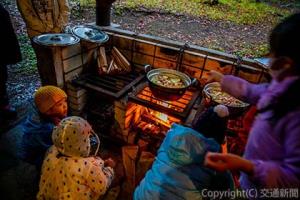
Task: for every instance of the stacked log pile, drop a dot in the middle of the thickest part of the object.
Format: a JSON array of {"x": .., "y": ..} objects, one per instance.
[{"x": 118, "y": 64}]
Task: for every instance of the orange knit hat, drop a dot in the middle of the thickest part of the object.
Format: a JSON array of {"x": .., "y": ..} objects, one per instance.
[{"x": 47, "y": 96}]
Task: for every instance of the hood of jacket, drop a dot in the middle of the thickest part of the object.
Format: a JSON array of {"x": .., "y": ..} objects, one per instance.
[
  {"x": 184, "y": 145},
  {"x": 72, "y": 137}
]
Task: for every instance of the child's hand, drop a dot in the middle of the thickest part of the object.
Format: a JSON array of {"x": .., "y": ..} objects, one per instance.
[
  {"x": 109, "y": 162},
  {"x": 56, "y": 120},
  {"x": 222, "y": 162},
  {"x": 214, "y": 76}
]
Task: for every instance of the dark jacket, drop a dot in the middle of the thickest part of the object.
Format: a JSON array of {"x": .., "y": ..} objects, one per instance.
[
  {"x": 36, "y": 139},
  {"x": 10, "y": 50}
]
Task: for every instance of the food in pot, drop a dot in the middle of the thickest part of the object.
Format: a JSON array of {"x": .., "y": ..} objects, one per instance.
[
  {"x": 217, "y": 95},
  {"x": 168, "y": 80}
]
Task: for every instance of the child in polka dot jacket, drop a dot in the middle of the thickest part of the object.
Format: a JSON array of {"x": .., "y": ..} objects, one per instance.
[{"x": 68, "y": 171}]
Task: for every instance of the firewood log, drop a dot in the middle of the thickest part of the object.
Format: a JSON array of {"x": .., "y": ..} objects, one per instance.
[
  {"x": 102, "y": 61},
  {"x": 118, "y": 61},
  {"x": 122, "y": 58},
  {"x": 129, "y": 156},
  {"x": 110, "y": 65}
]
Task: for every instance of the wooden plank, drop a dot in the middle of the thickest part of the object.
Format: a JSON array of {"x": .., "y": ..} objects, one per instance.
[
  {"x": 121, "y": 60},
  {"x": 129, "y": 157},
  {"x": 193, "y": 59},
  {"x": 102, "y": 61},
  {"x": 212, "y": 65},
  {"x": 143, "y": 47},
  {"x": 249, "y": 75},
  {"x": 70, "y": 51},
  {"x": 89, "y": 56},
  {"x": 127, "y": 54},
  {"x": 73, "y": 74},
  {"x": 142, "y": 59},
  {"x": 46, "y": 64},
  {"x": 167, "y": 52},
  {"x": 87, "y": 46},
  {"x": 161, "y": 63},
  {"x": 72, "y": 63},
  {"x": 122, "y": 42},
  {"x": 191, "y": 71},
  {"x": 227, "y": 69},
  {"x": 58, "y": 75}
]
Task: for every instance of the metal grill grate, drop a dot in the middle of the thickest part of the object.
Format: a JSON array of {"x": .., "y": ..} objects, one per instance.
[
  {"x": 114, "y": 86},
  {"x": 180, "y": 108}
]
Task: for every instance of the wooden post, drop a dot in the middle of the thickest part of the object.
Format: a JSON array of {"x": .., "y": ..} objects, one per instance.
[{"x": 103, "y": 12}]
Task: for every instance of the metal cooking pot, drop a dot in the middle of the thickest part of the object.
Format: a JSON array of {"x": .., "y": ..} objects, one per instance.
[
  {"x": 90, "y": 33},
  {"x": 55, "y": 39},
  {"x": 166, "y": 93},
  {"x": 234, "y": 110}
]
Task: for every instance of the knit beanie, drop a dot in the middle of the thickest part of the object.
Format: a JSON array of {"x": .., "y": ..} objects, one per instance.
[
  {"x": 47, "y": 96},
  {"x": 212, "y": 123}
]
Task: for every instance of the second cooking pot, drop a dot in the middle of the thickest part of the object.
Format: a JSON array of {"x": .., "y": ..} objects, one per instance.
[
  {"x": 213, "y": 95},
  {"x": 164, "y": 92}
]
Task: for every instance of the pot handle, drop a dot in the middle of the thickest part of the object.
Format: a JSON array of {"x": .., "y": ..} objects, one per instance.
[
  {"x": 207, "y": 98},
  {"x": 194, "y": 82},
  {"x": 147, "y": 68}
]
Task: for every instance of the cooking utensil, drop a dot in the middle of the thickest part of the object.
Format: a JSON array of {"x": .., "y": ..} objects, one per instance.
[
  {"x": 90, "y": 33},
  {"x": 214, "y": 95},
  {"x": 56, "y": 39},
  {"x": 168, "y": 93}
]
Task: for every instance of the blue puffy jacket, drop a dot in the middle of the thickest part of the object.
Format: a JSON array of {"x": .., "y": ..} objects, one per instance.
[
  {"x": 178, "y": 171},
  {"x": 36, "y": 139}
]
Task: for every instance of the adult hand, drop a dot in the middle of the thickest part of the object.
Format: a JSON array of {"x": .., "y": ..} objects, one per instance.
[
  {"x": 222, "y": 162},
  {"x": 214, "y": 76},
  {"x": 110, "y": 163}
]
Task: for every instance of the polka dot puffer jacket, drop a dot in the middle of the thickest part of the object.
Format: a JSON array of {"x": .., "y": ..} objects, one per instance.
[{"x": 68, "y": 171}]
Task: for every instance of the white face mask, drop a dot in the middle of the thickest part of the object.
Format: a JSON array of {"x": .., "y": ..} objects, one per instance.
[{"x": 277, "y": 67}]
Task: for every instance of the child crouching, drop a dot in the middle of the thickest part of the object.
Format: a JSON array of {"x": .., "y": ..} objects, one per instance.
[
  {"x": 50, "y": 106},
  {"x": 178, "y": 171},
  {"x": 68, "y": 171}
]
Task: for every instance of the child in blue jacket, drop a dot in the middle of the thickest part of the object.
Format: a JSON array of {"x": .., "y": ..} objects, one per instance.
[
  {"x": 50, "y": 108},
  {"x": 178, "y": 171}
]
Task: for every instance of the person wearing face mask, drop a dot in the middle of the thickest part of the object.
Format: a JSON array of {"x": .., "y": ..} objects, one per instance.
[{"x": 272, "y": 154}]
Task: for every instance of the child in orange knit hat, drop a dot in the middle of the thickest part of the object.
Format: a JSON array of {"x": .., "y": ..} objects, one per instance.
[
  {"x": 51, "y": 102},
  {"x": 50, "y": 108}
]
